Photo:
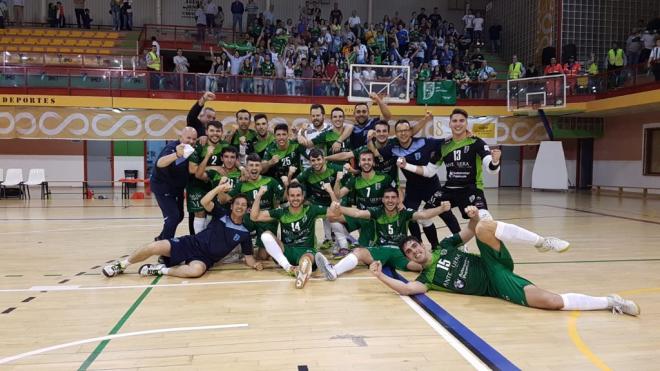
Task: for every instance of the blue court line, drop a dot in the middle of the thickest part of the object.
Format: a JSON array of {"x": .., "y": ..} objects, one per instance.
[{"x": 486, "y": 353}]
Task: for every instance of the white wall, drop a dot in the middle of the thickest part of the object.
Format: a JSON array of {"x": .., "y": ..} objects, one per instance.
[
  {"x": 58, "y": 168},
  {"x": 144, "y": 11},
  {"x": 623, "y": 173},
  {"x": 122, "y": 163},
  {"x": 528, "y": 168}
]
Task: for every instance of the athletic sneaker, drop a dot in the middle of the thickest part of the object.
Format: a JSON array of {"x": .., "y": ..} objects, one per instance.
[
  {"x": 554, "y": 244},
  {"x": 113, "y": 269},
  {"x": 304, "y": 271},
  {"x": 325, "y": 267},
  {"x": 151, "y": 270},
  {"x": 622, "y": 306}
]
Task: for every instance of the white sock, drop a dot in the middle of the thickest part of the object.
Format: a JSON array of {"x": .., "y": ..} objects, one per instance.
[
  {"x": 207, "y": 220},
  {"x": 124, "y": 263},
  {"x": 512, "y": 233},
  {"x": 164, "y": 271},
  {"x": 198, "y": 224},
  {"x": 327, "y": 230},
  {"x": 275, "y": 251},
  {"x": 346, "y": 264},
  {"x": 340, "y": 234},
  {"x": 584, "y": 302},
  {"x": 485, "y": 215}
]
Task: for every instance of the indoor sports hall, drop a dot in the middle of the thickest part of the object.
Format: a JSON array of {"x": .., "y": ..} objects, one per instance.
[{"x": 93, "y": 95}]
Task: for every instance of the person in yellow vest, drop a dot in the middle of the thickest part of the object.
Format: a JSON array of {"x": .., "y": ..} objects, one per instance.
[
  {"x": 615, "y": 62},
  {"x": 153, "y": 64},
  {"x": 516, "y": 69},
  {"x": 592, "y": 71}
]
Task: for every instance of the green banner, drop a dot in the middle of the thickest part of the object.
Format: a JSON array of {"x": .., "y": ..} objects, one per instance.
[{"x": 436, "y": 93}]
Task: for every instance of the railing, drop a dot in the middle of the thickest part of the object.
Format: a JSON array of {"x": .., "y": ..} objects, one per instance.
[
  {"x": 21, "y": 77},
  {"x": 28, "y": 59},
  {"x": 182, "y": 36}
]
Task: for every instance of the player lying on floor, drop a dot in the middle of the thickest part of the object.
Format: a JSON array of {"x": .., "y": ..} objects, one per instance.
[
  {"x": 491, "y": 274},
  {"x": 192, "y": 256}
]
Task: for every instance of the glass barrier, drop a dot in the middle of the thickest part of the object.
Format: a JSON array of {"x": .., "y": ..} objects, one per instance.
[
  {"x": 72, "y": 60},
  {"x": 126, "y": 79}
]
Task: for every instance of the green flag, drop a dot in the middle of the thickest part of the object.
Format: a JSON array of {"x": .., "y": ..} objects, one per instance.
[{"x": 436, "y": 93}]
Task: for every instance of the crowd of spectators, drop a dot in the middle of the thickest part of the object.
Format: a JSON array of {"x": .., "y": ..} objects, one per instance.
[{"x": 311, "y": 55}]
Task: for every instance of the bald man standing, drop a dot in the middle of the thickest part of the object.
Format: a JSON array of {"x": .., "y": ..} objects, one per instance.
[{"x": 169, "y": 179}]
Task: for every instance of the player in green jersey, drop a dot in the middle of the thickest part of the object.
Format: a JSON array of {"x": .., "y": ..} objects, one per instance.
[
  {"x": 199, "y": 184},
  {"x": 282, "y": 157},
  {"x": 491, "y": 274},
  {"x": 389, "y": 226},
  {"x": 333, "y": 139},
  {"x": 229, "y": 168},
  {"x": 315, "y": 179},
  {"x": 243, "y": 137},
  {"x": 298, "y": 222},
  {"x": 264, "y": 137},
  {"x": 270, "y": 200}
]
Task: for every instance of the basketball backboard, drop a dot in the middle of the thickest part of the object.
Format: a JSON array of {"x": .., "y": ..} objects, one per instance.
[
  {"x": 393, "y": 82},
  {"x": 528, "y": 95}
]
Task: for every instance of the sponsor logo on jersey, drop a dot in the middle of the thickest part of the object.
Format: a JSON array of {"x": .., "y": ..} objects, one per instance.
[
  {"x": 459, "y": 284},
  {"x": 236, "y": 237},
  {"x": 443, "y": 252},
  {"x": 466, "y": 149},
  {"x": 472, "y": 198}
]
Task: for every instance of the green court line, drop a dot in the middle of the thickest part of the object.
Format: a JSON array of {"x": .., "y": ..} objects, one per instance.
[
  {"x": 99, "y": 348},
  {"x": 592, "y": 261}
]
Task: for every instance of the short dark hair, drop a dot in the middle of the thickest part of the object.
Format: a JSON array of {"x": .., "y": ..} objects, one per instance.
[
  {"x": 361, "y": 104},
  {"x": 281, "y": 126},
  {"x": 260, "y": 116},
  {"x": 253, "y": 157},
  {"x": 317, "y": 106},
  {"x": 216, "y": 124},
  {"x": 382, "y": 122},
  {"x": 239, "y": 196},
  {"x": 295, "y": 185},
  {"x": 315, "y": 152},
  {"x": 458, "y": 111},
  {"x": 390, "y": 189},
  {"x": 337, "y": 109},
  {"x": 406, "y": 240},
  {"x": 400, "y": 122},
  {"x": 366, "y": 153},
  {"x": 243, "y": 110},
  {"x": 229, "y": 149}
]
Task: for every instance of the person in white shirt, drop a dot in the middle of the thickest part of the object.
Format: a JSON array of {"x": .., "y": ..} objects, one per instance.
[
  {"x": 200, "y": 20},
  {"x": 181, "y": 64},
  {"x": 468, "y": 20},
  {"x": 648, "y": 40},
  {"x": 210, "y": 13},
  {"x": 353, "y": 22},
  {"x": 361, "y": 52},
  {"x": 654, "y": 60},
  {"x": 478, "y": 23}
]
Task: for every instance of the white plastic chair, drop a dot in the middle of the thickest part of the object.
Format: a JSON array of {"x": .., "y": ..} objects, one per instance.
[
  {"x": 14, "y": 179},
  {"x": 37, "y": 177}
]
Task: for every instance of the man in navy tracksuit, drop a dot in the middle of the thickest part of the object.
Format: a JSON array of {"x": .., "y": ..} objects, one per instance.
[{"x": 169, "y": 179}]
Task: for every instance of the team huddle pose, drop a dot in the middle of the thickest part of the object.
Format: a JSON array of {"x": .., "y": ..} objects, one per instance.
[{"x": 243, "y": 186}]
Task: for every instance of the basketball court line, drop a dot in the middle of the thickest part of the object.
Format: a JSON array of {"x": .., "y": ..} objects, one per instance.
[
  {"x": 82, "y": 229},
  {"x": 477, "y": 346},
  {"x": 179, "y": 285},
  {"x": 117, "y": 336}
]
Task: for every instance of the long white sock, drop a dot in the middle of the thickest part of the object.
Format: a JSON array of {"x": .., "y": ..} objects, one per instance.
[
  {"x": 512, "y": 233},
  {"x": 198, "y": 224},
  {"x": 275, "y": 251},
  {"x": 164, "y": 271},
  {"x": 584, "y": 302},
  {"x": 346, "y": 264},
  {"x": 327, "y": 230},
  {"x": 340, "y": 234}
]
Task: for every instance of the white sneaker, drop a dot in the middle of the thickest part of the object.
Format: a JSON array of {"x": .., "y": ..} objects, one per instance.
[
  {"x": 622, "y": 306},
  {"x": 325, "y": 267},
  {"x": 554, "y": 244},
  {"x": 113, "y": 269},
  {"x": 151, "y": 269},
  {"x": 304, "y": 271}
]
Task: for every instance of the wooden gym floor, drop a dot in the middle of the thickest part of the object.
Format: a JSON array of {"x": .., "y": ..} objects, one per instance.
[{"x": 59, "y": 313}]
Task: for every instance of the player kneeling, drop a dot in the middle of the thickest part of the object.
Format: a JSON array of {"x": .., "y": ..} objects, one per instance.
[
  {"x": 491, "y": 274},
  {"x": 192, "y": 256}
]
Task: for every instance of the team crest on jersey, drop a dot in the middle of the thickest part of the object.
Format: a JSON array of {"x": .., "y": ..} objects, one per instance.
[
  {"x": 377, "y": 186},
  {"x": 486, "y": 148},
  {"x": 459, "y": 284},
  {"x": 472, "y": 198},
  {"x": 443, "y": 252},
  {"x": 237, "y": 237},
  {"x": 418, "y": 156},
  {"x": 466, "y": 149}
]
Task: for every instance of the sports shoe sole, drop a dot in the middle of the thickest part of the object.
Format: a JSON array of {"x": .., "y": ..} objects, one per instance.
[{"x": 305, "y": 270}]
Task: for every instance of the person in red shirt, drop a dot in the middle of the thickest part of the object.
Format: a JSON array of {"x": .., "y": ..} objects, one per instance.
[
  {"x": 572, "y": 70},
  {"x": 553, "y": 86},
  {"x": 553, "y": 68}
]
